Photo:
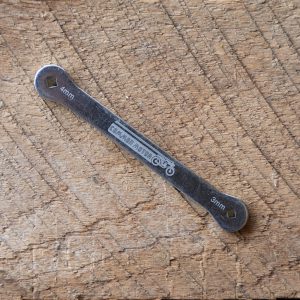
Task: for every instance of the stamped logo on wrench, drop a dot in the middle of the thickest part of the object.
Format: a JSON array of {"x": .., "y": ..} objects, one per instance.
[{"x": 141, "y": 147}]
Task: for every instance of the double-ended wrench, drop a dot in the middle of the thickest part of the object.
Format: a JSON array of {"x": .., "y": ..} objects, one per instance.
[{"x": 53, "y": 83}]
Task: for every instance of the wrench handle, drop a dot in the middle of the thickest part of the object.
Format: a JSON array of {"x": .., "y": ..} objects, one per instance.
[{"x": 53, "y": 83}]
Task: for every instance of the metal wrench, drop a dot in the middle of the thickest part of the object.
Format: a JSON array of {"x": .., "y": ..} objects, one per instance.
[{"x": 53, "y": 83}]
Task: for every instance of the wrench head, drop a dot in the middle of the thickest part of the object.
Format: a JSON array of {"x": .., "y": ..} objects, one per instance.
[
  {"x": 234, "y": 217},
  {"x": 49, "y": 82}
]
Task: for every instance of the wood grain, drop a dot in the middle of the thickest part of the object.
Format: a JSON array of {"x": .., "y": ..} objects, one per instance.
[{"x": 215, "y": 83}]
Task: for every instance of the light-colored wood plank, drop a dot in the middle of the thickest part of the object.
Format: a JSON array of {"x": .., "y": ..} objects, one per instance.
[{"x": 216, "y": 83}]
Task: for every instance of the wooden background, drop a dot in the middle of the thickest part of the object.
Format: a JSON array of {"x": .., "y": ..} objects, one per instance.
[{"x": 214, "y": 82}]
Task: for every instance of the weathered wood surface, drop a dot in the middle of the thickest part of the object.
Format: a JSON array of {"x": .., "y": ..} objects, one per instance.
[{"x": 216, "y": 83}]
